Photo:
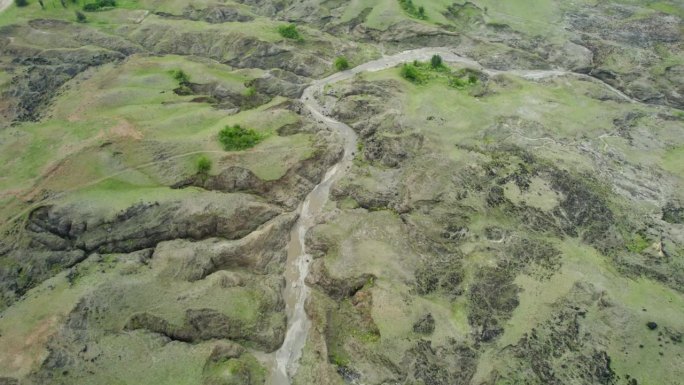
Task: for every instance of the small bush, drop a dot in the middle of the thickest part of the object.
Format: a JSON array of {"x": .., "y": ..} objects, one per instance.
[
  {"x": 289, "y": 32},
  {"x": 203, "y": 165},
  {"x": 181, "y": 76},
  {"x": 21, "y": 3},
  {"x": 250, "y": 92},
  {"x": 235, "y": 138},
  {"x": 341, "y": 63},
  {"x": 436, "y": 61},
  {"x": 80, "y": 17},
  {"x": 412, "y": 73}
]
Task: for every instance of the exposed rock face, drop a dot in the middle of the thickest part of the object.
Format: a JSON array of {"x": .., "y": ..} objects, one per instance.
[
  {"x": 335, "y": 287},
  {"x": 425, "y": 325},
  {"x": 56, "y": 238},
  {"x": 40, "y": 70},
  {"x": 232, "y": 48},
  {"x": 216, "y": 14},
  {"x": 452, "y": 364}
]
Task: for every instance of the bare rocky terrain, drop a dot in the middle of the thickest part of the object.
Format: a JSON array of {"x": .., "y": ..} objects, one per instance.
[{"x": 510, "y": 215}]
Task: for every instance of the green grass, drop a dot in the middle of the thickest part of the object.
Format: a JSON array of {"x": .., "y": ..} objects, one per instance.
[{"x": 670, "y": 7}]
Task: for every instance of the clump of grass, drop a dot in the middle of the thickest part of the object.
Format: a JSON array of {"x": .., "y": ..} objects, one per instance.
[
  {"x": 98, "y": 5},
  {"x": 412, "y": 10},
  {"x": 236, "y": 138},
  {"x": 290, "y": 31},
  {"x": 21, "y": 3},
  {"x": 203, "y": 165},
  {"x": 341, "y": 63}
]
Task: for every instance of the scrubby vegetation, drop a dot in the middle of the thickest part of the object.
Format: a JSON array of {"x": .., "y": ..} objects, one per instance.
[
  {"x": 203, "y": 165},
  {"x": 21, "y": 3},
  {"x": 420, "y": 73},
  {"x": 638, "y": 244},
  {"x": 290, "y": 31},
  {"x": 236, "y": 138},
  {"x": 183, "y": 80},
  {"x": 436, "y": 62},
  {"x": 181, "y": 76},
  {"x": 413, "y": 73},
  {"x": 80, "y": 17},
  {"x": 341, "y": 63},
  {"x": 98, "y": 5},
  {"x": 411, "y": 9}
]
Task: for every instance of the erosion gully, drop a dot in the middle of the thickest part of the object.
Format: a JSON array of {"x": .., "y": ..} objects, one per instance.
[{"x": 284, "y": 362}]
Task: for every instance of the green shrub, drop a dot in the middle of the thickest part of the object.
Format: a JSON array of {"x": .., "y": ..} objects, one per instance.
[
  {"x": 462, "y": 82},
  {"x": 410, "y": 8},
  {"x": 412, "y": 73},
  {"x": 80, "y": 17},
  {"x": 638, "y": 244},
  {"x": 250, "y": 92},
  {"x": 289, "y": 32},
  {"x": 436, "y": 61},
  {"x": 341, "y": 63},
  {"x": 181, "y": 76},
  {"x": 21, "y": 3},
  {"x": 203, "y": 165},
  {"x": 235, "y": 138},
  {"x": 99, "y": 4}
]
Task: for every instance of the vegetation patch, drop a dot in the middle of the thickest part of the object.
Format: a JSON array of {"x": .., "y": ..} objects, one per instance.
[
  {"x": 341, "y": 63},
  {"x": 412, "y": 10},
  {"x": 638, "y": 243},
  {"x": 290, "y": 31},
  {"x": 99, "y": 5},
  {"x": 421, "y": 72},
  {"x": 203, "y": 165},
  {"x": 236, "y": 138}
]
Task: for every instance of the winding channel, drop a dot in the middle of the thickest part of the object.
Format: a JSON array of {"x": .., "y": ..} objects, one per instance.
[{"x": 286, "y": 359}]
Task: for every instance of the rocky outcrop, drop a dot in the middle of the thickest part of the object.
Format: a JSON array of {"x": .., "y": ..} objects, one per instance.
[
  {"x": 234, "y": 48},
  {"x": 336, "y": 288},
  {"x": 208, "y": 324},
  {"x": 216, "y": 14},
  {"x": 58, "y": 237},
  {"x": 262, "y": 250}
]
